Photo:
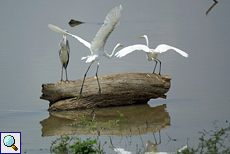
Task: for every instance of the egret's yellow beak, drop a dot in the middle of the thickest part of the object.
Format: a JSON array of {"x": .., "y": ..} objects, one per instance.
[
  {"x": 141, "y": 36},
  {"x": 121, "y": 45}
]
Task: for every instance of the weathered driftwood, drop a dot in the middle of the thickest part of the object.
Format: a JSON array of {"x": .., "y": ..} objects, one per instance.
[
  {"x": 116, "y": 89},
  {"x": 138, "y": 119}
]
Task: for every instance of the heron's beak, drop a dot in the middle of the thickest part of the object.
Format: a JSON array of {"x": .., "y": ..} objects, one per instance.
[
  {"x": 141, "y": 36},
  {"x": 121, "y": 45}
]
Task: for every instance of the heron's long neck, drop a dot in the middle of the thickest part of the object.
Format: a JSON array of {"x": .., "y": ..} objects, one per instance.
[
  {"x": 147, "y": 40},
  {"x": 113, "y": 52},
  {"x": 64, "y": 37}
]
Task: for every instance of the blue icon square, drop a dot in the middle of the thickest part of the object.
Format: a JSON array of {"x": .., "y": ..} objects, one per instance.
[{"x": 10, "y": 142}]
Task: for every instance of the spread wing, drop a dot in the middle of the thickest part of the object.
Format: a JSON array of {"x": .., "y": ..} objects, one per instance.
[
  {"x": 164, "y": 47},
  {"x": 129, "y": 49},
  {"x": 87, "y": 44},
  {"x": 106, "y": 29}
]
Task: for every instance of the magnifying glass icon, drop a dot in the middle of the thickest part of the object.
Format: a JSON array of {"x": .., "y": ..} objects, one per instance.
[{"x": 9, "y": 141}]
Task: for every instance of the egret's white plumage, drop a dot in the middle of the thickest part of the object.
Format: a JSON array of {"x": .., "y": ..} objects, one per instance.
[
  {"x": 151, "y": 54},
  {"x": 98, "y": 43},
  {"x": 64, "y": 51}
]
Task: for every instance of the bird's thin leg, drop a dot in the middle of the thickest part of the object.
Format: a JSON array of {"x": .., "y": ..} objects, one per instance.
[
  {"x": 66, "y": 74},
  {"x": 84, "y": 78},
  {"x": 62, "y": 74},
  {"x": 159, "y": 138},
  {"x": 155, "y": 66},
  {"x": 98, "y": 81},
  {"x": 160, "y": 67}
]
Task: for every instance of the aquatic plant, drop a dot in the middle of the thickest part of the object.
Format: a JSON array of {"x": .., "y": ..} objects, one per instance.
[
  {"x": 212, "y": 142},
  {"x": 61, "y": 144},
  {"x": 120, "y": 121},
  {"x": 86, "y": 147},
  {"x": 66, "y": 144}
]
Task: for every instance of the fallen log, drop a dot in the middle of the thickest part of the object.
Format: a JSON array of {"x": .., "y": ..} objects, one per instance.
[{"x": 116, "y": 89}]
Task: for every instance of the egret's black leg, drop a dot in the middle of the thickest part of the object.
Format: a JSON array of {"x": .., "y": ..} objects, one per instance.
[
  {"x": 98, "y": 81},
  {"x": 84, "y": 78},
  {"x": 160, "y": 67},
  {"x": 155, "y": 66}
]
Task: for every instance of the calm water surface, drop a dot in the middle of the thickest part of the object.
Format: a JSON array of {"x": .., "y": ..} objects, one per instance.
[{"x": 199, "y": 94}]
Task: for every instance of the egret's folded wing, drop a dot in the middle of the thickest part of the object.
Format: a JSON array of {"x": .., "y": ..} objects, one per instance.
[
  {"x": 127, "y": 50},
  {"x": 106, "y": 29},
  {"x": 164, "y": 47},
  {"x": 68, "y": 48}
]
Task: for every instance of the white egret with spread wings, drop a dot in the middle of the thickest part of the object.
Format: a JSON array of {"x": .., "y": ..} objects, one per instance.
[
  {"x": 98, "y": 43},
  {"x": 151, "y": 54}
]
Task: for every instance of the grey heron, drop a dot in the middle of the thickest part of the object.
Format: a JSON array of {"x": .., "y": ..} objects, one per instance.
[
  {"x": 97, "y": 46},
  {"x": 64, "y": 51}
]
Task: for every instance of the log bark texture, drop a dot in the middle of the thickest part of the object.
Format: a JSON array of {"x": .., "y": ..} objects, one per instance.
[{"x": 116, "y": 89}]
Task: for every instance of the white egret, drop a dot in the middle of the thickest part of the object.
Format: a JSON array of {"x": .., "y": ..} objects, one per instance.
[
  {"x": 98, "y": 43},
  {"x": 64, "y": 51},
  {"x": 151, "y": 54}
]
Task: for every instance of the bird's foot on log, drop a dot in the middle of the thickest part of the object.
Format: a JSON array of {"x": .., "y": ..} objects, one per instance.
[
  {"x": 100, "y": 93},
  {"x": 157, "y": 74},
  {"x": 60, "y": 81},
  {"x": 80, "y": 96}
]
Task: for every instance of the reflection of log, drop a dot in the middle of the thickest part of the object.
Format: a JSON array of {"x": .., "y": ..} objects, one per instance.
[
  {"x": 117, "y": 89},
  {"x": 142, "y": 119}
]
